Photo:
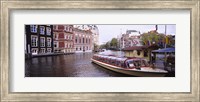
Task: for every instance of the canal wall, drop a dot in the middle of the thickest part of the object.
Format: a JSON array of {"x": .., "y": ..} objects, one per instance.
[{"x": 29, "y": 56}]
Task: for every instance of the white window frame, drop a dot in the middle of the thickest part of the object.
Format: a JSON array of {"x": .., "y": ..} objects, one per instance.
[
  {"x": 36, "y": 41},
  {"x": 55, "y": 43},
  {"x": 42, "y": 31},
  {"x": 42, "y": 50},
  {"x": 48, "y": 30},
  {"x": 49, "y": 50},
  {"x": 71, "y": 37},
  {"x": 48, "y": 43},
  {"x": 66, "y": 36},
  {"x": 66, "y": 45},
  {"x": 34, "y": 51},
  {"x": 42, "y": 44},
  {"x": 33, "y": 28},
  {"x": 66, "y": 28},
  {"x": 69, "y": 45}
]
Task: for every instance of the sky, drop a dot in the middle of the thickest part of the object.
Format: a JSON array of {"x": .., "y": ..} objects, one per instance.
[{"x": 107, "y": 32}]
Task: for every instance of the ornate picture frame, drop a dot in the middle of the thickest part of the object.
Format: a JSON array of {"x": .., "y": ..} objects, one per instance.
[{"x": 8, "y": 5}]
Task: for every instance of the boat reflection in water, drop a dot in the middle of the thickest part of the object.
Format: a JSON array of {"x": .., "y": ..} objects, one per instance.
[{"x": 131, "y": 66}]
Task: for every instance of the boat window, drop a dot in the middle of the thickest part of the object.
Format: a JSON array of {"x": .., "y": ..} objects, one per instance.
[
  {"x": 130, "y": 64},
  {"x": 98, "y": 58},
  {"x": 117, "y": 63},
  {"x": 101, "y": 58},
  {"x": 113, "y": 62},
  {"x": 146, "y": 63},
  {"x": 122, "y": 64},
  {"x": 139, "y": 63},
  {"x": 110, "y": 61},
  {"x": 105, "y": 59},
  {"x": 142, "y": 63}
]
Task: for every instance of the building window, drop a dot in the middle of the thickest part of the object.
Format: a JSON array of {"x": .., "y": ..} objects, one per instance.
[
  {"x": 42, "y": 42},
  {"x": 42, "y": 29},
  {"x": 48, "y": 30},
  {"x": 65, "y": 36},
  {"x": 69, "y": 45},
  {"x": 54, "y": 35},
  {"x": 42, "y": 50},
  {"x": 33, "y": 28},
  {"x": 49, "y": 50},
  {"x": 138, "y": 52},
  {"x": 69, "y": 37},
  {"x": 55, "y": 27},
  {"x": 34, "y": 40},
  {"x": 55, "y": 44},
  {"x": 76, "y": 48},
  {"x": 80, "y": 40},
  {"x": 80, "y": 48},
  {"x": 70, "y": 29},
  {"x": 76, "y": 40},
  {"x": 48, "y": 42},
  {"x": 66, "y": 28},
  {"x": 145, "y": 53},
  {"x": 83, "y": 40},
  {"x": 57, "y": 36},
  {"x": 34, "y": 51},
  {"x": 66, "y": 45}
]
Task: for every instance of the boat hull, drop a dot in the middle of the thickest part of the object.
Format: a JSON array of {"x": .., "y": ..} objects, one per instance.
[{"x": 129, "y": 72}]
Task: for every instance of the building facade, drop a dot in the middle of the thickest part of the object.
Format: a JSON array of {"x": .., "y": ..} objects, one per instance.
[
  {"x": 136, "y": 51},
  {"x": 131, "y": 38},
  {"x": 83, "y": 40},
  {"x": 95, "y": 34},
  {"x": 38, "y": 39},
  {"x": 63, "y": 36}
]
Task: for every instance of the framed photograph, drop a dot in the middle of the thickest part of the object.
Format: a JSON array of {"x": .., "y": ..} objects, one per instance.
[{"x": 99, "y": 50}]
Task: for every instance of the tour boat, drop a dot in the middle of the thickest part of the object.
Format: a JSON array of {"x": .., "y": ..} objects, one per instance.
[{"x": 131, "y": 66}]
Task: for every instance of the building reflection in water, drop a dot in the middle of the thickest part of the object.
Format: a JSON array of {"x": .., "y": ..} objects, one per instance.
[{"x": 74, "y": 65}]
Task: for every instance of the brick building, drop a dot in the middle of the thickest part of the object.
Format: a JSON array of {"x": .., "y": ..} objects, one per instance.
[
  {"x": 63, "y": 38},
  {"x": 38, "y": 39}
]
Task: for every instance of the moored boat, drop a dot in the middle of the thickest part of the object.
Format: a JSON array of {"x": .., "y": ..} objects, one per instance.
[{"x": 131, "y": 66}]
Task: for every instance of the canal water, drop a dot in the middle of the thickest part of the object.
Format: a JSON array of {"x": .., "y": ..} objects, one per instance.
[{"x": 74, "y": 65}]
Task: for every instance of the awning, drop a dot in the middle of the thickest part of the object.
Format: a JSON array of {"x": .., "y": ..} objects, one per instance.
[{"x": 169, "y": 50}]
